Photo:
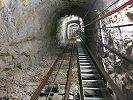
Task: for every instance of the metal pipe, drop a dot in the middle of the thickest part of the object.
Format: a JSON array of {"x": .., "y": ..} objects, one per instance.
[
  {"x": 120, "y": 26},
  {"x": 113, "y": 27},
  {"x": 94, "y": 19},
  {"x": 117, "y": 53},
  {"x": 116, "y": 9}
]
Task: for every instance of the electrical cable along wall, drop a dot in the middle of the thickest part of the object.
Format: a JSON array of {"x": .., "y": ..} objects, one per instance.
[{"x": 115, "y": 29}]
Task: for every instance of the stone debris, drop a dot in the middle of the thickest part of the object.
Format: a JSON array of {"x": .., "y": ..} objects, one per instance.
[{"x": 57, "y": 97}]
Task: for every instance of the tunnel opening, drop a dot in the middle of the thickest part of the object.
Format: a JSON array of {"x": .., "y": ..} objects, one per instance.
[{"x": 68, "y": 26}]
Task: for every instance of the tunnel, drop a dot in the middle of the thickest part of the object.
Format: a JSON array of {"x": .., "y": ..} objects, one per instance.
[{"x": 34, "y": 32}]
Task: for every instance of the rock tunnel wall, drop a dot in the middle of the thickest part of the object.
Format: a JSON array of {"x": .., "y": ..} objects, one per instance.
[
  {"x": 27, "y": 38},
  {"x": 29, "y": 24},
  {"x": 28, "y": 35},
  {"x": 119, "y": 39},
  {"x": 26, "y": 25}
]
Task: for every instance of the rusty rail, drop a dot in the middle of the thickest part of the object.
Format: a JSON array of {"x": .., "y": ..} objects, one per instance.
[
  {"x": 45, "y": 78},
  {"x": 56, "y": 76},
  {"x": 69, "y": 77}
]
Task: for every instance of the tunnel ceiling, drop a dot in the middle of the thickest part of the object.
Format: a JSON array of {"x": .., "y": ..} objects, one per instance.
[
  {"x": 36, "y": 21},
  {"x": 60, "y": 8},
  {"x": 73, "y": 21},
  {"x": 80, "y": 7}
]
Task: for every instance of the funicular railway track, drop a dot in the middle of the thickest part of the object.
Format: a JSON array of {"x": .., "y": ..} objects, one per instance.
[
  {"x": 92, "y": 76},
  {"x": 50, "y": 80},
  {"x": 92, "y": 86}
]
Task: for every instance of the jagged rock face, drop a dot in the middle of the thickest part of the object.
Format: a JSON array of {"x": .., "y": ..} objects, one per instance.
[
  {"x": 120, "y": 39},
  {"x": 25, "y": 25},
  {"x": 27, "y": 38}
]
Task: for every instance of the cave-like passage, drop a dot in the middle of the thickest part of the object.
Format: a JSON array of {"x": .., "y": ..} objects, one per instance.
[
  {"x": 33, "y": 33},
  {"x": 69, "y": 28}
]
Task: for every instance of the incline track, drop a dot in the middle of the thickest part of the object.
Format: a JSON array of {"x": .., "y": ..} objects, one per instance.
[
  {"x": 91, "y": 85},
  {"x": 50, "y": 77}
]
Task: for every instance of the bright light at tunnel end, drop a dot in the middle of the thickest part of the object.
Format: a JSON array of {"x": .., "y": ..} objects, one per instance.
[
  {"x": 78, "y": 40},
  {"x": 69, "y": 26}
]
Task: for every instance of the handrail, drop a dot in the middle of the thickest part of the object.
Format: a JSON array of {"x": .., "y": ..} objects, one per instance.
[
  {"x": 113, "y": 50},
  {"x": 117, "y": 53},
  {"x": 115, "y": 88},
  {"x": 120, "y": 26}
]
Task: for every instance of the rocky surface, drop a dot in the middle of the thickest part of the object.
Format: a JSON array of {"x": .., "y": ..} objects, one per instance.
[
  {"x": 120, "y": 39},
  {"x": 25, "y": 44},
  {"x": 28, "y": 38}
]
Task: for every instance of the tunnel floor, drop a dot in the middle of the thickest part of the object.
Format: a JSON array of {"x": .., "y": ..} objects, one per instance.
[{"x": 73, "y": 76}]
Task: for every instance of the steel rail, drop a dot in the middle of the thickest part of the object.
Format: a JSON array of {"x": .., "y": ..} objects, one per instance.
[
  {"x": 119, "y": 26},
  {"x": 45, "y": 78},
  {"x": 114, "y": 87},
  {"x": 69, "y": 77},
  {"x": 56, "y": 75}
]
